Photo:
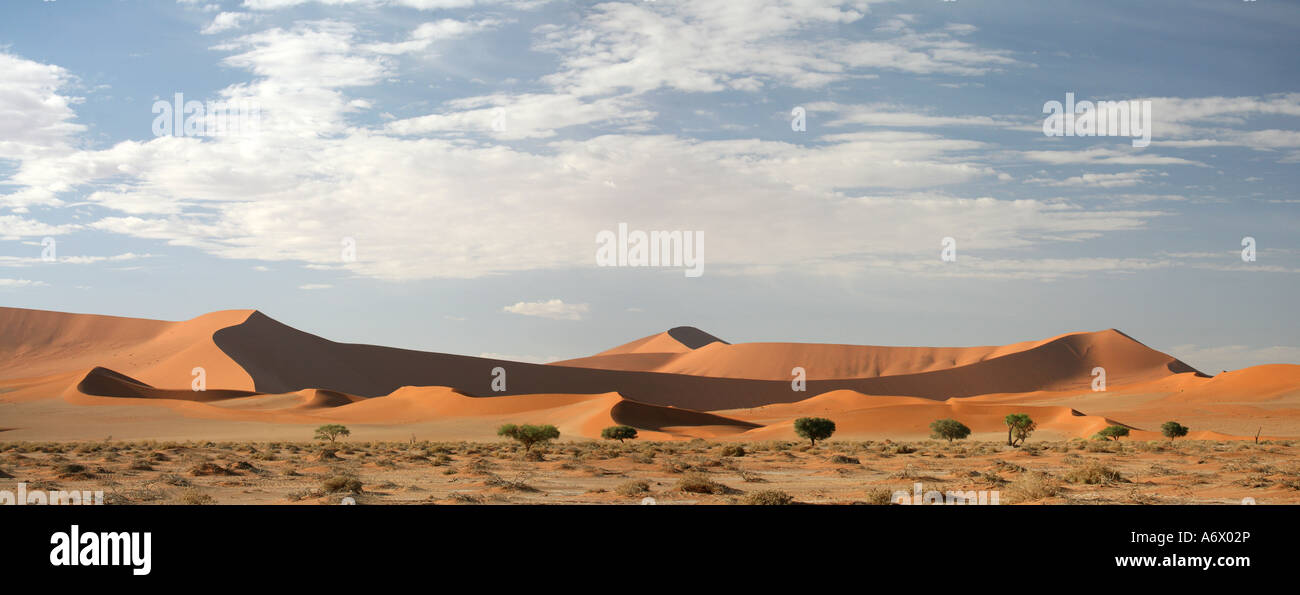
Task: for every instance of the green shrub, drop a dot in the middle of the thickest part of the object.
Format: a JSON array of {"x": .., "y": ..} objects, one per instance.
[
  {"x": 949, "y": 429},
  {"x": 529, "y": 435},
  {"x": 1019, "y": 427},
  {"x": 619, "y": 433},
  {"x": 332, "y": 432},
  {"x": 1173, "y": 429},
  {"x": 814, "y": 428},
  {"x": 1113, "y": 432}
]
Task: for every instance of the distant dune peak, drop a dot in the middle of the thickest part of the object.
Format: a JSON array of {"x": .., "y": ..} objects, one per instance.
[{"x": 692, "y": 337}]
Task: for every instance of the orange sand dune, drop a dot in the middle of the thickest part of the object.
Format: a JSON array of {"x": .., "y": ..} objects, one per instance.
[
  {"x": 681, "y": 339},
  {"x": 259, "y": 370},
  {"x": 282, "y": 359},
  {"x": 40, "y": 343},
  {"x": 1070, "y": 358},
  {"x": 102, "y": 382},
  {"x": 576, "y": 415},
  {"x": 583, "y": 415}
]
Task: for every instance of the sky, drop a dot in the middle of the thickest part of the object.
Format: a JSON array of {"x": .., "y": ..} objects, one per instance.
[{"x": 437, "y": 174}]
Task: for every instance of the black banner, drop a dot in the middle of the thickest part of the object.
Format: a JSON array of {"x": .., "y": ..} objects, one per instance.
[{"x": 1176, "y": 543}]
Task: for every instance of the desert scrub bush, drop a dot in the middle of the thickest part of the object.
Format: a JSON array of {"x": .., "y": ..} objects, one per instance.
[
  {"x": 844, "y": 460},
  {"x": 1092, "y": 473},
  {"x": 341, "y": 483},
  {"x": 532, "y": 456},
  {"x": 1254, "y": 480},
  {"x": 478, "y": 466},
  {"x": 139, "y": 465},
  {"x": 1033, "y": 486},
  {"x": 464, "y": 498},
  {"x": 675, "y": 466},
  {"x": 635, "y": 487},
  {"x": 880, "y": 496},
  {"x": 73, "y": 471},
  {"x": 194, "y": 497},
  {"x": 203, "y": 469},
  {"x": 768, "y": 498},
  {"x": 173, "y": 479},
  {"x": 700, "y": 483},
  {"x": 518, "y": 484},
  {"x": 732, "y": 450},
  {"x": 642, "y": 458},
  {"x": 1099, "y": 446},
  {"x": 903, "y": 449}
]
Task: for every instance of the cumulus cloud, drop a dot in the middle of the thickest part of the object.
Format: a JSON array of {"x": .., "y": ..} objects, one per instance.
[{"x": 554, "y": 309}]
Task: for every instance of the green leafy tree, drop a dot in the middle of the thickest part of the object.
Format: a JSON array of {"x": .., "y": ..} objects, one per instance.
[
  {"x": 529, "y": 435},
  {"x": 814, "y": 428},
  {"x": 1173, "y": 429},
  {"x": 332, "y": 432},
  {"x": 619, "y": 433},
  {"x": 949, "y": 429},
  {"x": 1019, "y": 427},
  {"x": 1113, "y": 432}
]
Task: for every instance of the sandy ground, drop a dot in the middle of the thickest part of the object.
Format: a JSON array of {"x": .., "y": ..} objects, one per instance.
[{"x": 691, "y": 472}]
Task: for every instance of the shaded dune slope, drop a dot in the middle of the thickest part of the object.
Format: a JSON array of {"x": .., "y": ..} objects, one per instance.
[
  {"x": 281, "y": 359},
  {"x": 102, "y": 382}
]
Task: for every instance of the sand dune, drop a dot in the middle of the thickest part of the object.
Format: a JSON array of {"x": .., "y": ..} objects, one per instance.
[
  {"x": 680, "y": 383},
  {"x": 102, "y": 382},
  {"x": 575, "y": 414},
  {"x": 38, "y": 343},
  {"x": 1070, "y": 359}
]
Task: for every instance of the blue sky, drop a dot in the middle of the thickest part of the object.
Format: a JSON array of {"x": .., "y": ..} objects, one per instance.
[{"x": 471, "y": 151}]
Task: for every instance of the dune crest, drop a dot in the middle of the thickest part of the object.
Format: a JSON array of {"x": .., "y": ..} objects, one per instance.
[{"x": 679, "y": 383}]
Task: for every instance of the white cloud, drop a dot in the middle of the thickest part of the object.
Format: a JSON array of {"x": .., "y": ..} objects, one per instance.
[
  {"x": 712, "y": 46},
  {"x": 890, "y": 115},
  {"x": 35, "y": 119},
  {"x": 1105, "y": 156},
  {"x": 313, "y": 286},
  {"x": 226, "y": 21},
  {"x": 523, "y": 116},
  {"x": 426, "y": 34},
  {"x": 1096, "y": 180},
  {"x": 553, "y": 309},
  {"x": 15, "y": 283}
]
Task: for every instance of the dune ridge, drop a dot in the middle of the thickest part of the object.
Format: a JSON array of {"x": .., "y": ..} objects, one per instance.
[{"x": 679, "y": 383}]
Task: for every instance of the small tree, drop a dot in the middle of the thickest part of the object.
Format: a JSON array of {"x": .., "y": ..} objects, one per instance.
[
  {"x": 949, "y": 429},
  {"x": 332, "y": 432},
  {"x": 814, "y": 428},
  {"x": 1113, "y": 432},
  {"x": 619, "y": 433},
  {"x": 1173, "y": 429},
  {"x": 528, "y": 435},
  {"x": 1019, "y": 427}
]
